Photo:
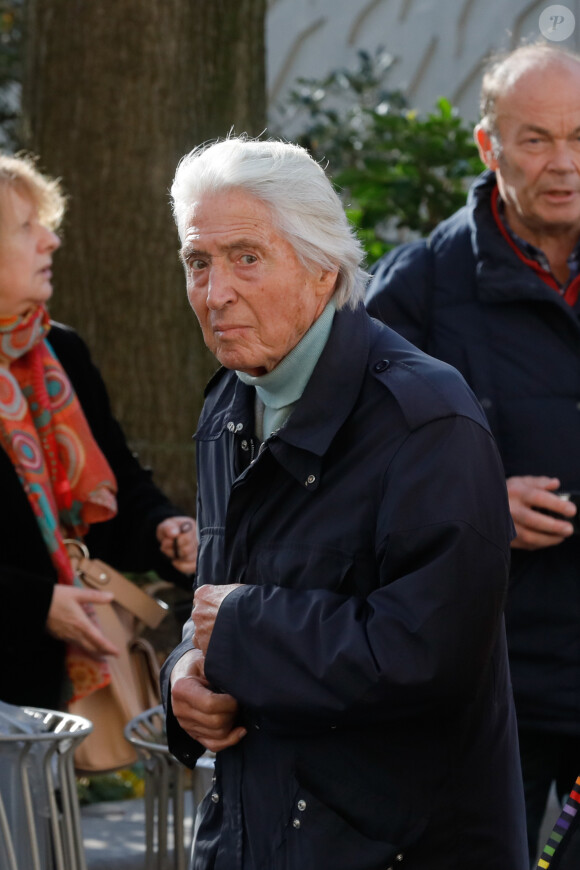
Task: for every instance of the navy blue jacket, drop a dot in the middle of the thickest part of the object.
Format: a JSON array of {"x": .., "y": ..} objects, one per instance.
[
  {"x": 367, "y": 649},
  {"x": 32, "y": 661},
  {"x": 467, "y": 298}
]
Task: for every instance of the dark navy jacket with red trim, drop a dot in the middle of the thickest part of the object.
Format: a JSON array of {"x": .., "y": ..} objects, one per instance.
[
  {"x": 366, "y": 648},
  {"x": 466, "y": 297}
]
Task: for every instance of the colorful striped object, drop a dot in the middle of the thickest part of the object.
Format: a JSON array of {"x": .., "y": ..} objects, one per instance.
[{"x": 560, "y": 829}]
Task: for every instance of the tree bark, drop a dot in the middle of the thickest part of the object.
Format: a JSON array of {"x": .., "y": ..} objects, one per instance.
[{"x": 114, "y": 94}]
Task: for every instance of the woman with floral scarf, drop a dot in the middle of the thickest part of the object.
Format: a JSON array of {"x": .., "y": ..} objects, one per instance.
[{"x": 65, "y": 471}]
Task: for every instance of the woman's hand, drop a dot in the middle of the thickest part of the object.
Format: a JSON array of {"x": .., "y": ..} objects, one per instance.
[
  {"x": 68, "y": 620},
  {"x": 177, "y": 537}
]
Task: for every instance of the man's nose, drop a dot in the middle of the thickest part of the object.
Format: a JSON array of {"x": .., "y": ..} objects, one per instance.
[
  {"x": 564, "y": 158},
  {"x": 220, "y": 288}
]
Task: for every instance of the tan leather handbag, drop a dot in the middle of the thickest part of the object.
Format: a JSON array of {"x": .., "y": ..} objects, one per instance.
[{"x": 134, "y": 685}]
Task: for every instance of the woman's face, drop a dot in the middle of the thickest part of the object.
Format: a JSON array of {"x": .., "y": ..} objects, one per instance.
[{"x": 26, "y": 248}]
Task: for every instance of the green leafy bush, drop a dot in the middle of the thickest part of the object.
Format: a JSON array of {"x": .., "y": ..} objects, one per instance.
[{"x": 399, "y": 174}]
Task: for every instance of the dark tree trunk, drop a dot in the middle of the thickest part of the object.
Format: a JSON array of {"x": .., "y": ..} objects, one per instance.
[{"x": 114, "y": 94}]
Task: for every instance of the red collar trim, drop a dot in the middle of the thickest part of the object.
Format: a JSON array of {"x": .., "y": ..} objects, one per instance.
[{"x": 573, "y": 289}]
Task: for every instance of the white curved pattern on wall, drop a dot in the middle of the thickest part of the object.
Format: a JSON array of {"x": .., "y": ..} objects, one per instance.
[{"x": 441, "y": 46}]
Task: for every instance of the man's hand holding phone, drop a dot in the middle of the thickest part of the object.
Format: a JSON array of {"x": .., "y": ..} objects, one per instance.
[{"x": 543, "y": 516}]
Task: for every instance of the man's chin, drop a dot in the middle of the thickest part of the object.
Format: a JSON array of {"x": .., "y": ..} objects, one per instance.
[
  {"x": 562, "y": 226},
  {"x": 554, "y": 220}
]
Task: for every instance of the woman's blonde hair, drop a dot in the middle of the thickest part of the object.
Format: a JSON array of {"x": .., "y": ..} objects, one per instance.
[{"x": 20, "y": 173}]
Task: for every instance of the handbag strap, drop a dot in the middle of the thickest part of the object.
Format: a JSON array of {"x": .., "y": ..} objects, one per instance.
[{"x": 99, "y": 575}]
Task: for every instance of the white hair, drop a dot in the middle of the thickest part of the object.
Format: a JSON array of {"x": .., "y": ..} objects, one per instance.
[{"x": 304, "y": 206}]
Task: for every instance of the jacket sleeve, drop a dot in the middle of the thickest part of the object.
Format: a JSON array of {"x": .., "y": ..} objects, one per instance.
[
  {"x": 182, "y": 745},
  {"x": 400, "y": 291},
  {"x": 422, "y": 640}
]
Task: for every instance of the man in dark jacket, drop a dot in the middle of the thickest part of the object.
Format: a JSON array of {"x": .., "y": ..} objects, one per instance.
[
  {"x": 346, "y": 656},
  {"x": 494, "y": 292}
]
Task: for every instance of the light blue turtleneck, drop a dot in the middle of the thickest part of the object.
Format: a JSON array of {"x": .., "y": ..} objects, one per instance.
[{"x": 278, "y": 391}]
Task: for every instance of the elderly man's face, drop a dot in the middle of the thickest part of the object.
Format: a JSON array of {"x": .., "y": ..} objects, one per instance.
[
  {"x": 538, "y": 169},
  {"x": 253, "y": 297}
]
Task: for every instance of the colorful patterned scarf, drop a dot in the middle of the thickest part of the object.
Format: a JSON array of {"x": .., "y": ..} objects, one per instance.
[{"x": 63, "y": 472}]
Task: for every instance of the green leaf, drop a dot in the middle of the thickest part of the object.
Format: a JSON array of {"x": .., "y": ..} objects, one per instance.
[{"x": 393, "y": 167}]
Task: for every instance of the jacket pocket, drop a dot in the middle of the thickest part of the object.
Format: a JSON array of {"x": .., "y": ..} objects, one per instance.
[{"x": 315, "y": 837}]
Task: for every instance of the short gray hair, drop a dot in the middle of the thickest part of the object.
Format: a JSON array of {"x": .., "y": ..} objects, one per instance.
[
  {"x": 504, "y": 70},
  {"x": 304, "y": 206}
]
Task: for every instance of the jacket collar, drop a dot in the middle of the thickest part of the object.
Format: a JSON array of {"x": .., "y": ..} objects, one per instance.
[
  {"x": 323, "y": 408},
  {"x": 334, "y": 385},
  {"x": 501, "y": 275},
  {"x": 328, "y": 398}
]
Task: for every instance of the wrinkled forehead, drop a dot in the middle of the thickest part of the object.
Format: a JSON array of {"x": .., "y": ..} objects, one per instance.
[
  {"x": 543, "y": 96},
  {"x": 228, "y": 213},
  {"x": 225, "y": 205}
]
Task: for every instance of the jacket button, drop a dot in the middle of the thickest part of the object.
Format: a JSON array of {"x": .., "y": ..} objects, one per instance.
[
  {"x": 215, "y": 797},
  {"x": 381, "y": 366},
  {"x": 296, "y": 823},
  {"x": 310, "y": 479},
  {"x": 301, "y": 805}
]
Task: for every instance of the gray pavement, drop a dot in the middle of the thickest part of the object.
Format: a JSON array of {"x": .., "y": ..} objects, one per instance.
[{"x": 114, "y": 834}]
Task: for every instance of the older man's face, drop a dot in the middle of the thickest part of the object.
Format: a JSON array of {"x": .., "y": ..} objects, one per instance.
[
  {"x": 538, "y": 168},
  {"x": 253, "y": 297}
]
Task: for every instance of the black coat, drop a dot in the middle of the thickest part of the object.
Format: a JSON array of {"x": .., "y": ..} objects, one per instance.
[
  {"x": 32, "y": 662},
  {"x": 467, "y": 298},
  {"x": 367, "y": 649}
]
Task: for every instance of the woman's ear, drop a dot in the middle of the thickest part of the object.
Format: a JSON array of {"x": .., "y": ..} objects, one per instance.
[{"x": 485, "y": 147}]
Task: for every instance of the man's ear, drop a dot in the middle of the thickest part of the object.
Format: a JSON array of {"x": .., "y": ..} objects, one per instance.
[
  {"x": 485, "y": 147},
  {"x": 327, "y": 279}
]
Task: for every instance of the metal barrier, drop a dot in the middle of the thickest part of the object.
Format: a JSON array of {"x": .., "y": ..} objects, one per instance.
[
  {"x": 165, "y": 783},
  {"x": 39, "y": 811}
]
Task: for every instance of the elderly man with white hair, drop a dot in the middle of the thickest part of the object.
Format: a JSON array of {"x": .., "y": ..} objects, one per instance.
[{"x": 346, "y": 656}]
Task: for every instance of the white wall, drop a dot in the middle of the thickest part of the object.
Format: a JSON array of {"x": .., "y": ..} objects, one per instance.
[{"x": 440, "y": 46}]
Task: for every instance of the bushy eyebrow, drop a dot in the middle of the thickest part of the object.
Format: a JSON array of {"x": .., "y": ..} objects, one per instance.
[
  {"x": 533, "y": 128},
  {"x": 190, "y": 252}
]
